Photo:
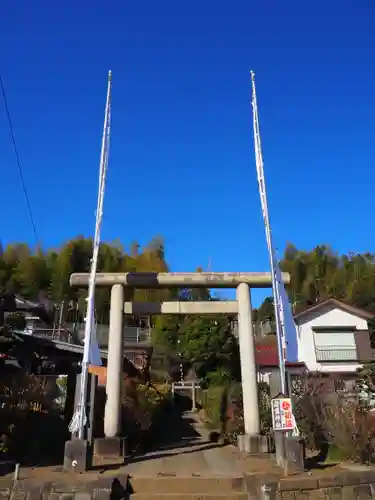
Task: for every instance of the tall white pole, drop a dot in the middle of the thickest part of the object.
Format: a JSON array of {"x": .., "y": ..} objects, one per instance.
[
  {"x": 79, "y": 420},
  {"x": 273, "y": 261}
]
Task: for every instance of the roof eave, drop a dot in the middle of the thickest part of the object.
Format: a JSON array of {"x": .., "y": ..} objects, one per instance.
[{"x": 361, "y": 313}]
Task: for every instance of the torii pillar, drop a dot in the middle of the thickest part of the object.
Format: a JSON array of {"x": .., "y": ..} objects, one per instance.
[
  {"x": 248, "y": 367},
  {"x": 115, "y": 377}
]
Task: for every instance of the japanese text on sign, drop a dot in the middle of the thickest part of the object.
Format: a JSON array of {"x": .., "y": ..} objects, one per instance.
[{"x": 282, "y": 416}]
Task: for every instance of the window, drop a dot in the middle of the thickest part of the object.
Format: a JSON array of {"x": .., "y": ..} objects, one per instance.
[{"x": 335, "y": 345}]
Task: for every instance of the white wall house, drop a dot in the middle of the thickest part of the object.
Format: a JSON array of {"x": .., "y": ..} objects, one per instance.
[{"x": 333, "y": 337}]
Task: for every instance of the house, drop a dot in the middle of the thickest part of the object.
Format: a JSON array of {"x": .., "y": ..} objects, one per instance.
[
  {"x": 333, "y": 340},
  {"x": 333, "y": 337},
  {"x": 36, "y": 320},
  {"x": 29, "y": 314}
]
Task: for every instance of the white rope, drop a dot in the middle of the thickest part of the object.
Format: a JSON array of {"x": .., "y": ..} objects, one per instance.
[{"x": 74, "y": 423}]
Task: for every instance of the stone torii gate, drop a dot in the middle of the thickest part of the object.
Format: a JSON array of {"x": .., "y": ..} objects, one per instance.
[{"x": 241, "y": 306}]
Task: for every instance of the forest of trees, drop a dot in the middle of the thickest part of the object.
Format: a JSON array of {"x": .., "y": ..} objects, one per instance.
[
  {"x": 321, "y": 273},
  {"x": 207, "y": 343},
  {"x": 44, "y": 274}
]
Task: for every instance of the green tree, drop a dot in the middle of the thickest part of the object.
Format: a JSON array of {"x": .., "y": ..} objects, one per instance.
[
  {"x": 45, "y": 273},
  {"x": 321, "y": 273},
  {"x": 266, "y": 311},
  {"x": 208, "y": 344}
]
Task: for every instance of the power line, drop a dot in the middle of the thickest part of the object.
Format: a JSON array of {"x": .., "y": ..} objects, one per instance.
[{"x": 23, "y": 183}]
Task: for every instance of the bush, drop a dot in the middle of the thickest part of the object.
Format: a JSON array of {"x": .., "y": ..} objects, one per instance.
[
  {"x": 350, "y": 430},
  {"x": 26, "y": 437},
  {"x": 333, "y": 422},
  {"x": 234, "y": 419},
  {"x": 159, "y": 377},
  {"x": 218, "y": 378},
  {"x": 305, "y": 391},
  {"x": 31, "y": 415},
  {"x": 211, "y": 401},
  {"x": 141, "y": 409},
  {"x": 223, "y": 408}
]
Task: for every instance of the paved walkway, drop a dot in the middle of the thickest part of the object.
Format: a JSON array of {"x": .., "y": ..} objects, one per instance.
[{"x": 186, "y": 450}]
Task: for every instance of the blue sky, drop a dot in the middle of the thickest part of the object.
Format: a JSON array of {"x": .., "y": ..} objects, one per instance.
[{"x": 182, "y": 159}]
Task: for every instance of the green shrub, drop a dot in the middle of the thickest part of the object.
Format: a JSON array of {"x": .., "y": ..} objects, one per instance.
[
  {"x": 159, "y": 376},
  {"x": 218, "y": 378},
  {"x": 142, "y": 406},
  {"x": 211, "y": 401},
  {"x": 223, "y": 406}
]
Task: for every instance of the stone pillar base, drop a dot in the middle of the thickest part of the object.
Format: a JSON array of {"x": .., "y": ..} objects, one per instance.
[
  {"x": 77, "y": 456},
  {"x": 253, "y": 445},
  {"x": 113, "y": 448},
  {"x": 295, "y": 453}
]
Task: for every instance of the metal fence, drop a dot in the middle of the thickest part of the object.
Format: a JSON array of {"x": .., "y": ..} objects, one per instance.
[
  {"x": 135, "y": 335},
  {"x": 132, "y": 335},
  {"x": 60, "y": 334},
  {"x": 336, "y": 353}
]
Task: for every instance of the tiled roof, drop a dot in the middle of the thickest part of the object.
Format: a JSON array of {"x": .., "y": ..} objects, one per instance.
[{"x": 266, "y": 351}]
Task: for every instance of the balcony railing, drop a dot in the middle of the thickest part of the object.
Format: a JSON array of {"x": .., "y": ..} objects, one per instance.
[
  {"x": 132, "y": 335},
  {"x": 335, "y": 353},
  {"x": 136, "y": 335},
  {"x": 59, "y": 334}
]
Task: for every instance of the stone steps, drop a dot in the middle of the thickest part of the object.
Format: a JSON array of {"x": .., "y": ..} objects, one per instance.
[{"x": 187, "y": 488}]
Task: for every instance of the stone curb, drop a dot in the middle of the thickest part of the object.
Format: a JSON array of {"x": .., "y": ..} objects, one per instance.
[
  {"x": 348, "y": 485},
  {"x": 343, "y": 485},
  {"x": 339, "y": 479},
  {"x": 99, "y": 489}
]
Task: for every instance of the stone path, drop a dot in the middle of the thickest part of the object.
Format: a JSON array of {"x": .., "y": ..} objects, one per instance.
[
  {"x": 186, "y": 465},
  {"x": 186, "y": 450}
]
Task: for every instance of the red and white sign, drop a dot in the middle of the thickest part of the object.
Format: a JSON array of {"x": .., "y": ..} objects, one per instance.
[{"x": 282, "y": 415}]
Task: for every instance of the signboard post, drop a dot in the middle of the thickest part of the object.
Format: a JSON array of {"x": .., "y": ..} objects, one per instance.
[
  {"x": 282, "y": 423},
  {"x": 282, "y": 416}
]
